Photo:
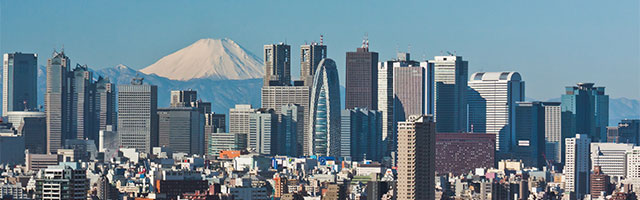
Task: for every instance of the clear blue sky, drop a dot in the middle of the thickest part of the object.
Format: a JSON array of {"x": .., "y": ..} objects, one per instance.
[{"x": 551, "y": 43}]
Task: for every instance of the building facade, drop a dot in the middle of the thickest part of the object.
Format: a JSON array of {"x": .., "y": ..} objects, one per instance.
[
  {"x": 263, "y": 132},
  {"x": 19, "y": 83},
  {"x": 137, "y": 116},
  {"x": 58, "y": 93},
  {"x": 181, "y": 129},
  {"x": 492, "y": 102},
  {"x": 610, "y": 157},
  {"x": 361, "y": 84},
  {"x": 277, "y": 65},
  {"x": 529, "y": 134},
  {"x": 459, "y": 153},
  {"x": 290, "y": 124},
  {"x": 324, "y": 111},
  {"x": 577, "y": 167},
  {"x": 585, "y": 110},
  {"x": 310, "y": 57},
  {"x": 416, "y": 158},
  {"x": 277, "y": 97},
  {"x": 450, "y": 79},
  {"x": 239, "y": 118},
  {"x": 361, "y": 135}
]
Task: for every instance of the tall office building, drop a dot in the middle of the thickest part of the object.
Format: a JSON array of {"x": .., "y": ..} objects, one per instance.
[
  {"x": 361, "y": 135},
  {"x": 416, "y": 158},
  {"x": 137, "y": 115},
  {"x": 529, "y": 134},
  {"x": 599, "y": 183},
  {"x": 585, "y": 110},
  {"x": 213, "y": 123},
  {"x": 56, "y": 98},
  {"x": 183, "y": 98},
  {"x": 82, "y": 104},
  {"x": 105, "y": 100},
  {"x": 362, "y": 78},
  {"x": 553, "y": 131},
  {"x": 610, "y": 157},
  {"x": 385, "y": 105},
  {"x": 263, "y": 132},
  {"x": 33, "y": 126},
  {"x": 181, "y": 129},
  {"x": 227, "y": 141},
  {"x": 62, "y": 182},
  {"x": 239, "y": 118},
  {"x": 276, "y": 97},
  {"x": 577, "y": 167},
  {"x": 290, "y": 126},
  {"x": 19, "y": 83},
  {"x": 629, "y": 131},
  {"x": 324, "y": 111},
  {"x": 492, "y": 102},
  {"x": 310, "y": 57},
  {"x": 450, "y": 89},
  {"x": 277, "y": 64},
  {"x": 412, "y": 89}
]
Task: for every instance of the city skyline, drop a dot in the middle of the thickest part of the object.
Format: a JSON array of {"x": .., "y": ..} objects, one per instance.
[{"x": 565, "y": 38}]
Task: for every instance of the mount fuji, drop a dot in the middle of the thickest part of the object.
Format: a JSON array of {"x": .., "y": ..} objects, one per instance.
[{"x": 216, "y": 59}]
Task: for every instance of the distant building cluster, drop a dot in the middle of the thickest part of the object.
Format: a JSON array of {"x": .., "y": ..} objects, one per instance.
[{"x": 408, "y": 130}]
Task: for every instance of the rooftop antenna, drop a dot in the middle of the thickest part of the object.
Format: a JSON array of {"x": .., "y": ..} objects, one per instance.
[
  {"x": 321, "y": 39},
  {"x": 450, "y": 54}
]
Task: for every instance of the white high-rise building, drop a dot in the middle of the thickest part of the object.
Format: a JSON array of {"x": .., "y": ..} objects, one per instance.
[
  {"x": 137, "y": 116},
  {"x": 492, "y": 103},
  {"x": 239, "y": 118},
  {"x": 633, "y": 164},
  {"x": 577, "y": 167},
  {"x": 385, "y": 104},
  {"x": 553, "y": 131},
  {"x": 263, "y": 131},
  {"x": 610, "y": 157}
]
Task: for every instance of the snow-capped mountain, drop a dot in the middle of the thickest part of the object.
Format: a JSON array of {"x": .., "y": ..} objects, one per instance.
[{"x": 217, "y": 59}]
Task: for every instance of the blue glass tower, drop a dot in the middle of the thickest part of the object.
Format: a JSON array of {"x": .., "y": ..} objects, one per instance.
[{"x": 585, "y": 110}]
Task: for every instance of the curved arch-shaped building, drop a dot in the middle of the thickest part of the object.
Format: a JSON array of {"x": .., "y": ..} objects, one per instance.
[{"x": 325, "y": 108}]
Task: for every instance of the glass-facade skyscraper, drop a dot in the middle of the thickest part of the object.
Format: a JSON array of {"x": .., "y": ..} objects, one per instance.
[
  {"x": 585, "y": 110},
  {"x": 450, "y": 106},
  {"x": 19, "y": 83},
  {"x": 325, "y": 108}
]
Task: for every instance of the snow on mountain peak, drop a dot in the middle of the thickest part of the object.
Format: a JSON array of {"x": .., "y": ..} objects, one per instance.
[{"x": 216, "y": 59}]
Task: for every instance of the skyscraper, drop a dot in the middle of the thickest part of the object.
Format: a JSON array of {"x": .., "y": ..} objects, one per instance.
[
  {"x": 181, "y": 129},
  {"x": 239, "y": 118},
  {"x": 450, "y": 106},
  {"x": 553, "y": 131},
  {"x": 263, "y": 131},
  {"x": 629, "y": 131},
  {"x": 310, "y": 57},
  {"x": 183, "y": 98},
  {"x": 33, "y": 126},
  {"x": 83, "y": 115},
  {"x": 492, "y": 102},
  {"x": 585, "y": 110},
  {"x": 277, "y": 64},
  {"x": 276, "y": 97},
  {"x": 633, "y": 164},
  {"x": 290, "y": 126},
  {"x": 529, "y": 134},
  {"x": 577, "y": 167},
  {"x": 137, "y": 115},
  {"x": 385, "y": 105},
  {"x": 459, "y": 153},
  {"x": 19, "y": 83},
  {"x": 56, "y": 98},
  {"x": 324, "y": 116},
  {"x": 412, "y": 89},
  {"x": 416, "y": 158},
  {"x": 362, "y": 78},
  {"x": 214, "y": 123},
  {"x": 105, "y": 100},
  {"x": 361, "y": 135}
]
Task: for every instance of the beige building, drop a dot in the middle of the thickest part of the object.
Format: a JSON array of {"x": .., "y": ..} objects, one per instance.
[{"x": 416, "y": 158}]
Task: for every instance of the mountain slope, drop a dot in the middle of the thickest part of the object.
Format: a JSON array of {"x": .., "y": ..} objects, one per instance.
[
  {"x": 223, "y": 94},
  {"x": 216, "y": 59}
]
